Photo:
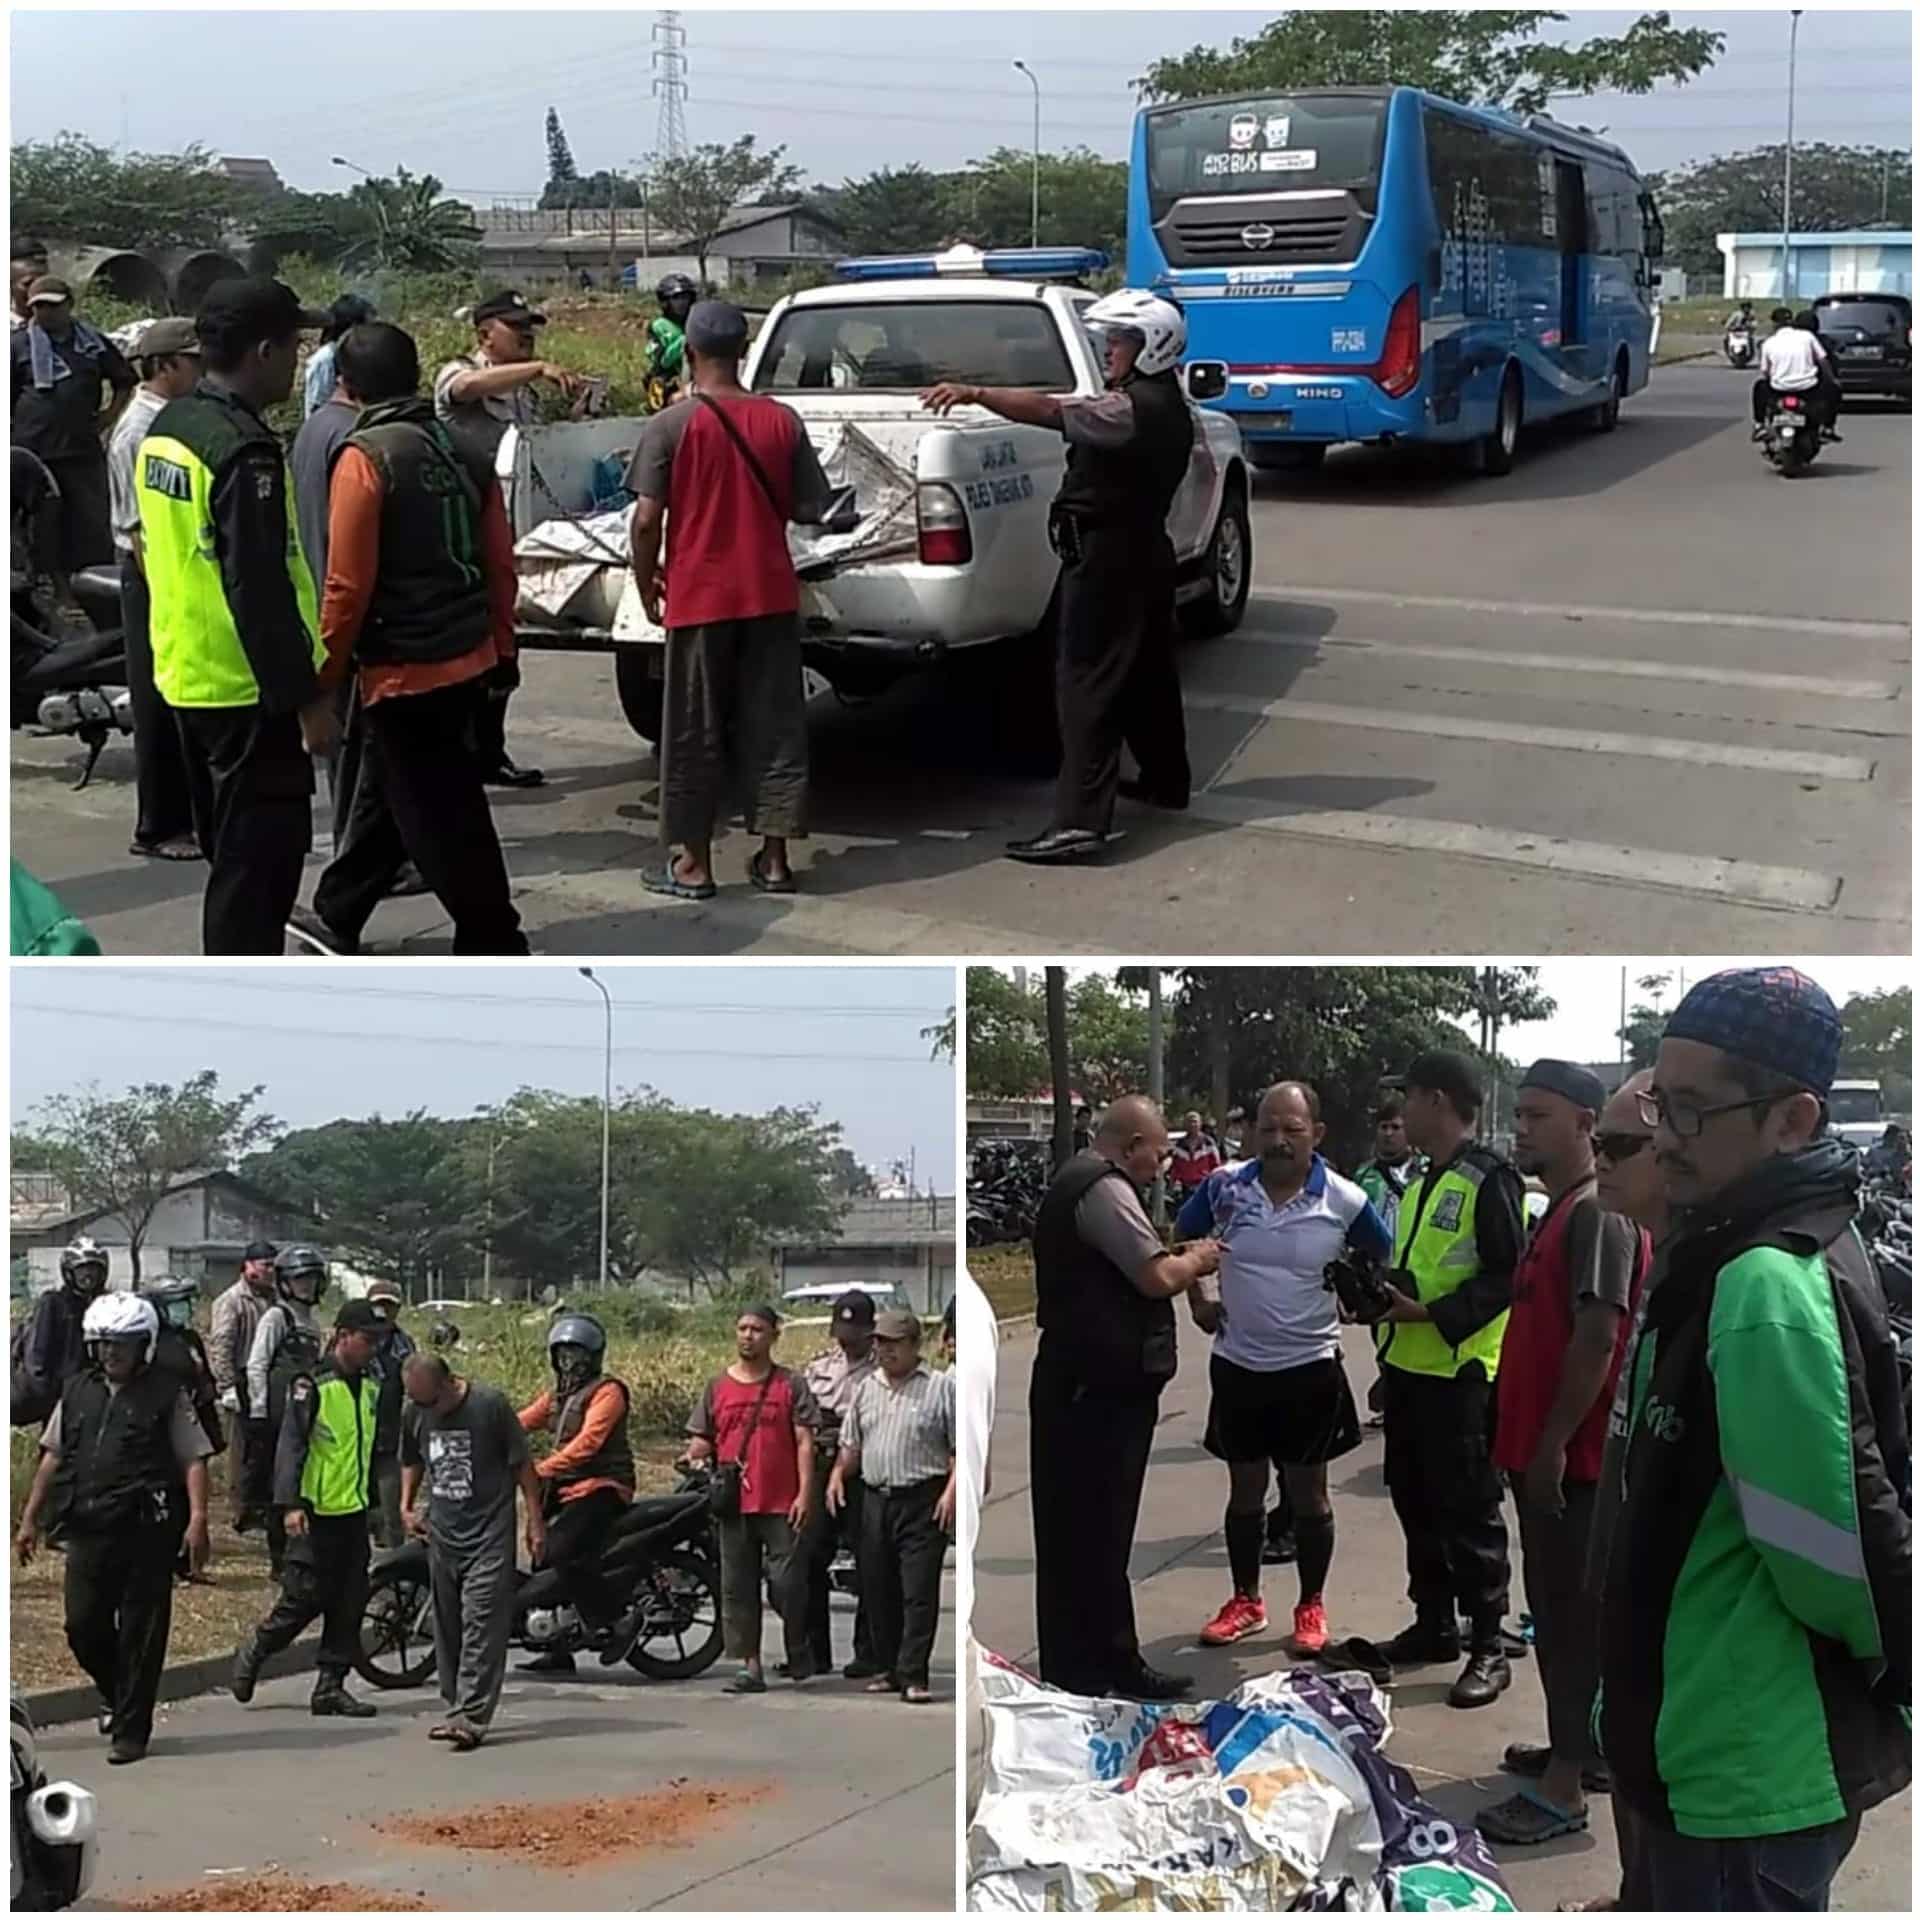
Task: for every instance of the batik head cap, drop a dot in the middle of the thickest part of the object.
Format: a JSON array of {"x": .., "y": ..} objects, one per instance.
[{"x": 1772, "y": 1017}]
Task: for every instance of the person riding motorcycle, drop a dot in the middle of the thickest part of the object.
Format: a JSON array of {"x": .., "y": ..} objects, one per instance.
[
  {"x": 51, "y": 1347},
  {"x": 667, "y": 340},
  {"x": 587, "y": 1480},
  {"x": 1792, "y": 360},
  {"x": 286, "y": 1344}
]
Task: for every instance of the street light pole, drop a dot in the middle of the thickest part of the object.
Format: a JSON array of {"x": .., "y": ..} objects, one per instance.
[
  {"x": 606, "y": 1124},
  {"x": 352, "y": 167},
  {"x": 1031, "y": 75},
  {"x": 1786, "y": 195}
]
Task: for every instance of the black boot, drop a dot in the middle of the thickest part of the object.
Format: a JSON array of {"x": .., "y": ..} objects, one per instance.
[
  {"x": 1425, "y": 1643},
  {"x": 1142, "y": 1682},
  {"x": 247, "y": 1663},
  {"x": 332, "y": 1701},
  {"x": 1482, "y": 1681}
]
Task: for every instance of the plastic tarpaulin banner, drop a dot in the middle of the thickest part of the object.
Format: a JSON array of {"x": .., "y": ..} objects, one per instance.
[{"x": 1276, "y": 1799}]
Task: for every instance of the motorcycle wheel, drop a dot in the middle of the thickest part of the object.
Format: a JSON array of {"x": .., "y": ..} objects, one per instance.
[
  {"x": 396, "y": 1630},
  {"x": 683, "y": 1634}
]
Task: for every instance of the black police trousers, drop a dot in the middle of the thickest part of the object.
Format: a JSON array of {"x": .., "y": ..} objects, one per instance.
[
  {"x": 1088, "y": 1467},
  {"x": 1115, "y": 681},
  {"x": 1447, "y": 1497},
  {"x": 324, "y": 1579},
  {"x": 818, "y": 1545},
  {"x": 119, "y": 1605}
]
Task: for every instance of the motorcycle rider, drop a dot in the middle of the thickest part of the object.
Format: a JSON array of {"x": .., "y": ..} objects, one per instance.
[
  {"x": 1116, "y": 682},
  {"x": 51, "y": 1348},
  {"x": 286, "y": 1344},
  {"x": 179, "y": 1351},
  {"x": 1740, "y": 326},
  {"x": 667, "y": 341},
  {"x": 124, "y": 1464},
  {"x": 1792, "y": 360},
  {"x": 236, "y": 1319},
  {"x": 586, "y": 1482},
  {"x": 322, "y": 1484}
]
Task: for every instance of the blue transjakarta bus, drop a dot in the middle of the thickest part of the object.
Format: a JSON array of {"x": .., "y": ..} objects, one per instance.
[{"x": 1371, "y": 263}]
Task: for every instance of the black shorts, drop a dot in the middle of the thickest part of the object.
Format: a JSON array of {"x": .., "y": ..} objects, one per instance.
[{"x": 1298, "y": 1417}]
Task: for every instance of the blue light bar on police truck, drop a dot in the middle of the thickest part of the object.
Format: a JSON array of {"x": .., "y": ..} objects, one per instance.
[{"x": 964, "y": 263}]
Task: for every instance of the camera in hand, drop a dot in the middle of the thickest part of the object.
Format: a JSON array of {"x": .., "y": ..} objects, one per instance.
[{"x": 1361, "y": 1282}]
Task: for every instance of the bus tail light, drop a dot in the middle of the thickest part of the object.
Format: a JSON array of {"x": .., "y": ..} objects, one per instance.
[
  {"x": 945, "y": 538},
  {"x": 1397, "y": 371}
]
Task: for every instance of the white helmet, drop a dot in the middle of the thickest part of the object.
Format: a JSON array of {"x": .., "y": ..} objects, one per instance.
[
  {"x": 122, "y": 1316},
  {"x": 1159, "y": 323}
]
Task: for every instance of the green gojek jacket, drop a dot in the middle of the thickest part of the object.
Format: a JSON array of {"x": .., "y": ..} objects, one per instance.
[
  {"x": 1756, "y": 1640},
  {"x": 41, "y": 924}
]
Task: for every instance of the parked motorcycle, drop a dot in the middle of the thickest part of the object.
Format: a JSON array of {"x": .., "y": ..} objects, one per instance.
[
  {"x": 663, "y": 1555},
  {"x": 64, "y": 680},
  {"x": 1006, "y": 1182},
  {"x": 50, "y": 1845},
  {"x": 1791, "y": 436},
  {"x": 1739, "y": 346}
]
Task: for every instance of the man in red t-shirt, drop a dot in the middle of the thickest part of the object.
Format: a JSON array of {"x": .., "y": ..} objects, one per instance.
[
  {"x": 724, "y": 471},
  {"x": 763, "y": 1418},
  {"x": 1574, "y": 1292},
  {"x": 1194, "y": 1156}
]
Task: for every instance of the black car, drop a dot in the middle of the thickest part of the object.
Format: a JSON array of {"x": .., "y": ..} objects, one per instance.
[{"x": 1870, "y": 337}]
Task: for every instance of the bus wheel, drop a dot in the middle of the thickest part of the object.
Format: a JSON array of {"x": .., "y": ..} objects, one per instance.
[
  {"x": 1498, "y": 449},
  {"x": 1606, "y": 416}
]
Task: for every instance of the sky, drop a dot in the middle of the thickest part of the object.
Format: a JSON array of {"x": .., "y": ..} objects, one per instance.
[
  {"x": 1586, "y": 993},
  {"x": 366, "y": 1039},
  {"x": 464, "y": 95}
]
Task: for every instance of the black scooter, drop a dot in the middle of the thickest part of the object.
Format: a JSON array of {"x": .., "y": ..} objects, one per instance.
[{"x": 662, "y": 1556}]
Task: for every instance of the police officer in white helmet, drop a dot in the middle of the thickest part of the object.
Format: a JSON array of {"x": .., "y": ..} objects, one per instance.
[{"x": 1115, "y": 679}]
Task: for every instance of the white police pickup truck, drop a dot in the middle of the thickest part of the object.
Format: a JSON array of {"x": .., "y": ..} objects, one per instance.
[{"x": 950, "y": 546}]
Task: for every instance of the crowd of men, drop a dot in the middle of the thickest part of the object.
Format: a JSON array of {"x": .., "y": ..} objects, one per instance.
[
  {"x": 342, "y": 1435},
  {"x": 1681, "y": 1372}
]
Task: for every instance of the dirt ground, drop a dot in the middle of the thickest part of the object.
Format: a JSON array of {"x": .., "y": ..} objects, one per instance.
[
  {"x": 276, "y": 1893},
  {"x": 569, "y": 1834}
]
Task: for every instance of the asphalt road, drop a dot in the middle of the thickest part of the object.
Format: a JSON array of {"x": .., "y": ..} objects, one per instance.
[
  {"x": 1180, "y": 1577},
  {"x": 853, "y": 1803},
  {"x": 1640, "y": 692}
]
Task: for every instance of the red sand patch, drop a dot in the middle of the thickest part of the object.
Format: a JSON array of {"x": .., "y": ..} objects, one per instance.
[
  {"x": 276, "y": 1893},
  {"x": 581, "y": 1833}
]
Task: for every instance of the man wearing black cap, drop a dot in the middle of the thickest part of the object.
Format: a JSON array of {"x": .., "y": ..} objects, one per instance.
[
  {"x": 1756, "y": 1622},
  {"x": 60, "y": 367},
  {"x": 833, "y": 1377},
  {"x": 1574, "y": 1292},
  {"x": 235, "y": 617},
  {"x": 480, "y": 395},
  {"x": 722, "y": 473},
  {"x": 1456, "y": 1242}
]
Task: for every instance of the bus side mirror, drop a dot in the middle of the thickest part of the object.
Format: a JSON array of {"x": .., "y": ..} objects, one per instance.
[{"x": 1206, "y": 379}]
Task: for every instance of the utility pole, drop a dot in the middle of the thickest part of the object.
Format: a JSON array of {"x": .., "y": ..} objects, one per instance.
[
  {"x": 1786, "y": 195},
  {"x": 670, "y": 81},
  {"x": 1031, "y": 75},
  {"x": 1157, "y": 1079},
  {"x": 606, "y": 1124},
  {"x": 1623, "y": 1025},
  {"x": 613, "y": 216}
]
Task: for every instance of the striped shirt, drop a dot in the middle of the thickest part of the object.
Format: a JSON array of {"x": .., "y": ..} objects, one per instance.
[{"x": 904, "y": 1434}]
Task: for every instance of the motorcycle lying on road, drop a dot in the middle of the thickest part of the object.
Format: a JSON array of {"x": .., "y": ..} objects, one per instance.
[
  {"x": 662, "y": 1556},
  {"x": 69, "y": 680},
  {"x": 1791, "y": 435}
]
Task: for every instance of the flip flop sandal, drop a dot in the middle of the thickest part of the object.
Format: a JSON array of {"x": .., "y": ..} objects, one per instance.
[
  {"x": 183, "y": 850},
  {"x": 917, "y": 1696},
  {"x": 665, "y": 881},
  {"x": 1524, "y": 1819},
  {"x": 745, "y": 1683},
  {"x": 463, "y": 1739},
  {"x": 761, "y": 883},
  {"x": 440, "y": 1732},
  {"x": 881, "y": 1686}
]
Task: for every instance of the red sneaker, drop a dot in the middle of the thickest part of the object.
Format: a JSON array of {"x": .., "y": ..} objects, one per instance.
[
  {"x": 1309, "y": 1633},
  {"x": 1237, "y": 1620}
]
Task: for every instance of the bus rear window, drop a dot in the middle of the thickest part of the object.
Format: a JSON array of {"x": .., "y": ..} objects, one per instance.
[{"x": 1275, "y": 144}]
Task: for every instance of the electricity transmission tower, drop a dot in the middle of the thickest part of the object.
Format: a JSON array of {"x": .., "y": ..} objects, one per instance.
[{"x": 670, "y": 82}]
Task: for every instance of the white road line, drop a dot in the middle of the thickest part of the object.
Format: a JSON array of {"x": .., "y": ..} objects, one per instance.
[
  {"x": 1634, "y": 616},
  {"x": 1447, "y": 726},
  {"x": 1794, "y": 888},
  {"x": 1803, "y": 686}
]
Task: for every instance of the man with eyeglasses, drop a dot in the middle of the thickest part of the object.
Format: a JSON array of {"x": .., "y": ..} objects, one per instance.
[
  {"x": 1756, "y": 1638},
  {"x": 1105, "y": 1285},
  {"x": 1573, "y": 1296}
]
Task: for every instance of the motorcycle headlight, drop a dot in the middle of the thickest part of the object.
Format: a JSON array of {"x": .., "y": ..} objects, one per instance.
[{"x": 62, "y": 1815}]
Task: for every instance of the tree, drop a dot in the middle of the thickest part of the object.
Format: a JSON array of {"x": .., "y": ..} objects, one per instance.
[
  {"x": 121, "y": 1156},
  {"x": 847, "y": 1177},
  {"x": 70, "y": 188},
  {"x": 1083, "y": 199},
  {"x": 602, "y": 188},
  {"x": 1647, "y": 1021},
  {"x": 1488, "y": 56},
  {"x": 1835, "y": 188},
  {"x": 396, "y": 1199},
  {"x": 942, "y": 1037},
  {"x": 1878, "y": 1043},
  {"x": 693, "y": 193},
  {"x": 1060, "y": 1065},
  {"x": 1107, "y": 1038},
  {"x": 1006, "y": 1037},
  {"x": 896, "y": 210},
  {"x": 561, "y": 172},
  {"x": 406, "y": 226}
]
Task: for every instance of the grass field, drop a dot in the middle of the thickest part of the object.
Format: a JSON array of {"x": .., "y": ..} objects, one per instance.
[{"x": 1005, "y": 1276}]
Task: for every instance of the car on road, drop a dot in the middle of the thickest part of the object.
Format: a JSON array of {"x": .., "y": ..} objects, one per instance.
[
  {"x": 803, "y": 1301},
  {"x": 950, "y": 550},
  {"x": 1869, "y": 337}
]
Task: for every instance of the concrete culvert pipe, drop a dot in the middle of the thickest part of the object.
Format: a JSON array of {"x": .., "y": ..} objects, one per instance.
[
  {"x": 125, "y": 275},
  {"x": 191, "y": 271}
]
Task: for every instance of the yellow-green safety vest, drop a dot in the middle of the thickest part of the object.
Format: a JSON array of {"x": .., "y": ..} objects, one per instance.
[
  {"x": 198, "y": 660},
  {"x": 1434, "y": 1243},
  {"x": 340, "y": 1446}
]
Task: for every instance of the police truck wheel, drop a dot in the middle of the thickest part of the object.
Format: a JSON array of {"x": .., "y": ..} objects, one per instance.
[
  {"x": 1227, "y": 569},
  {"x": 1278, "y": 457},
  {"x": 396, "y": 1629},
  {"x": 1499, "y": 448},
  {"x": 680, "y": 1632},
  {"x": 642, "y": 693}
]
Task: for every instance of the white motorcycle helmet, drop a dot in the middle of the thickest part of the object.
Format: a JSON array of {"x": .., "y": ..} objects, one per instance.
[
  {"x": 122, "y": 1316},
  {"x": 1161, "y": 325}
]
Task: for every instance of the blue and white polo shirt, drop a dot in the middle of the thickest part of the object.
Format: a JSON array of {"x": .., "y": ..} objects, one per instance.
[{"x": 1278, "y": 1311}]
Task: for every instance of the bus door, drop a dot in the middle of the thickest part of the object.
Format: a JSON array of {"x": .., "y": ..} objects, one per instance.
[{"x": 1570, "y": 227}]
